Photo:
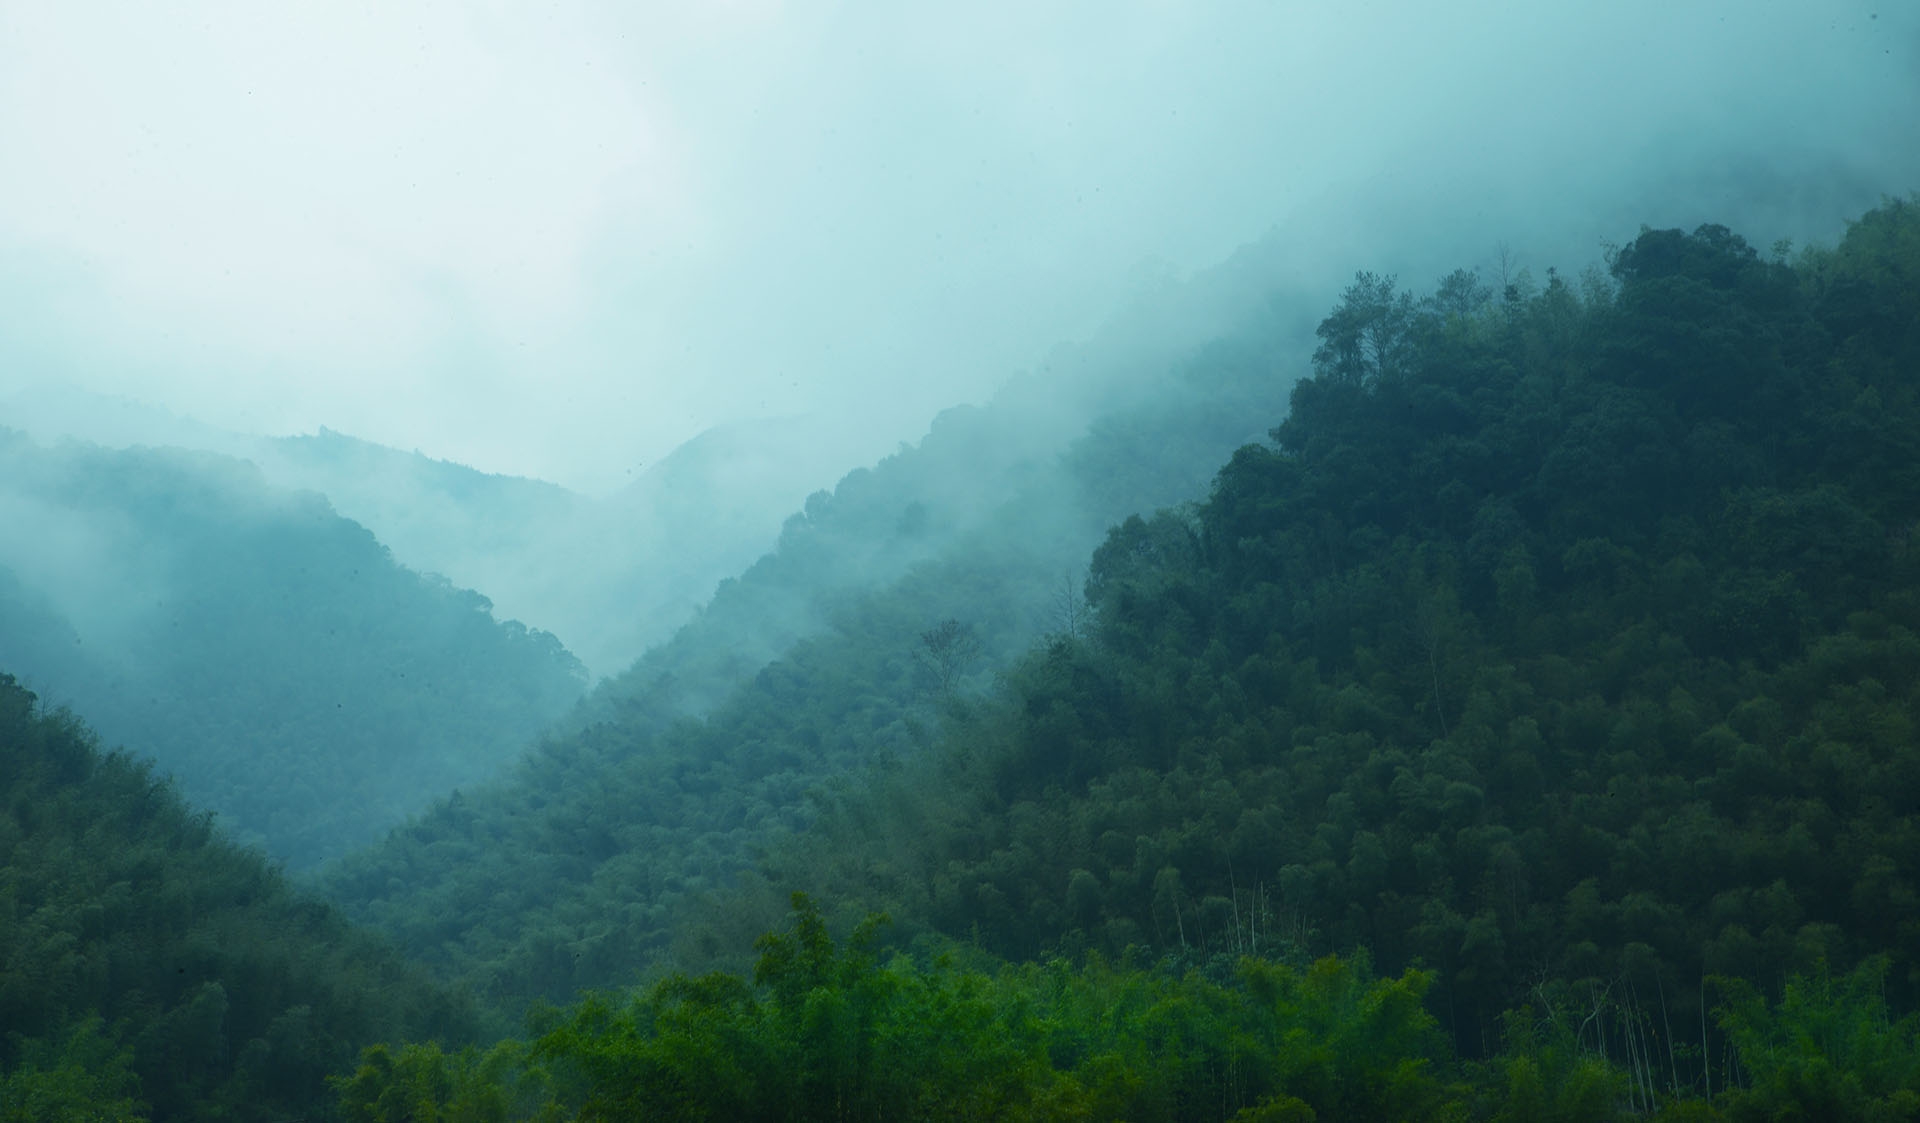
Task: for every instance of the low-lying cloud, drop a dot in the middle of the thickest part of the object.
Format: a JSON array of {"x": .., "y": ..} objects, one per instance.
[{"x": 561, "y": 241}]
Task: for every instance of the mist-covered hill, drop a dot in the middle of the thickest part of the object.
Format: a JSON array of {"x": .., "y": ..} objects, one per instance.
[
  {"x": 1522, "y": 731},
  {"x": 610, "y": 575},
  {"x": 1559, "y": 648},
  {"x": 827, "y": 653},
  {"x": 1558, "y": 635},
  {"x": 830, "y": 655},
  {"x": 266, "y": 652}
]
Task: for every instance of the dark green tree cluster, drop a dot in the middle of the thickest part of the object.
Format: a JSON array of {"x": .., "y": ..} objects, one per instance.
[
  {"x": 851, "y": 1032},
  {"x": 1561, "y": 642},
  {"x": 1564, "y": 643},
  {"x": 150, "y": 968},
  {"x": 266, "y": 652}
]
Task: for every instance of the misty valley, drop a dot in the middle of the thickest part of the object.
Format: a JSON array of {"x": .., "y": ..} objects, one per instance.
[{"x": 1497, "y": 699}]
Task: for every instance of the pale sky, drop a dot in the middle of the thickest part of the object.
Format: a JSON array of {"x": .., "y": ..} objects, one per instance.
[{"x": 557, "y": 239}]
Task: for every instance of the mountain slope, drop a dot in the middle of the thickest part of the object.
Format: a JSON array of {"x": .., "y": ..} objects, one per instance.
[
  {"x": 610, "y": 575},
  {"x": 816, "y": 660},
  {"x": 1561, "y": 649},
  {"x": 1563, "y": 642},
  {"x": 146, "y": 959},
  {"x": 262, "y": 649}
]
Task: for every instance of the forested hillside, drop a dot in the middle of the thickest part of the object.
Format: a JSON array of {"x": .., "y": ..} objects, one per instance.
[
  {"x": 886, "y": 604},
  {"x": 266, "y": 652},
  {"x": 1560, "y": 646},
  {"x": 1563, "y": 641},
  {"x": 1523, "y": 731},
  {"x": 151, "y": 968}
]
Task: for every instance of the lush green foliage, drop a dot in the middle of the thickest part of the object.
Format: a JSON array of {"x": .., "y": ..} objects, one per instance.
[
  {"x": 849, "y": 1033},
  {"x": 1826, "y": 1050},
  {"x": 147, "y": 963},
  {"x": 266, "y": 652},
  {"x": 1561, "y": 642}
]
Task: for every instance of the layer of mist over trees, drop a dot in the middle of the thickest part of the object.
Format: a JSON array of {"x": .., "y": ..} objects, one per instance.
[
  {"x": 266, "y": 652},
  {"x": 1523, "y": 730},
  {"x": 810, "y": 664},
  {"x": 610, "y": 576},
  {"x": 1562, "y": 643}
]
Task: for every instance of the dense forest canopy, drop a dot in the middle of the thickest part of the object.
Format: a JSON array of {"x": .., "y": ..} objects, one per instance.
[
  {"x": 1560, "y": 644},
  {"x": 149, "y": 964},
  {"x": 1523, "y": 730}
]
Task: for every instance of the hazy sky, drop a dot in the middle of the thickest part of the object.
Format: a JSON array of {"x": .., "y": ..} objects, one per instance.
[{"x": 557, "y": 239}]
